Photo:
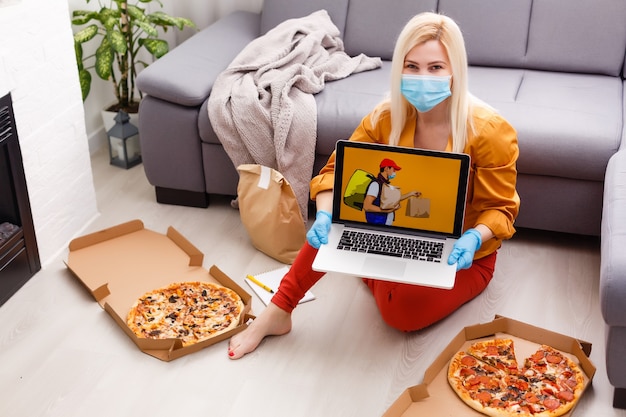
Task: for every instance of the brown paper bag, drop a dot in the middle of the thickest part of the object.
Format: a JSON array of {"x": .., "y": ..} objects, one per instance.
[
  {"x": 418, "y": 207},
  {"x": 389, "y": 197},
  {"x": 270, "y": 212}
]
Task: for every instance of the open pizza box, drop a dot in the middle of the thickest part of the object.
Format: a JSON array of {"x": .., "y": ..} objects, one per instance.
[
  {"x": 120, "y": 264},
  {"x": 435, "y": 397}
]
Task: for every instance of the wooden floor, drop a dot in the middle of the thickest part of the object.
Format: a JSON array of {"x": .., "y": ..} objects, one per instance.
[{"x": 62, "y": 355}]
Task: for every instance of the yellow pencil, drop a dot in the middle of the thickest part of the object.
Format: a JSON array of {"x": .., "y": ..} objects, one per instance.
[{"x": 260, "y": 284}]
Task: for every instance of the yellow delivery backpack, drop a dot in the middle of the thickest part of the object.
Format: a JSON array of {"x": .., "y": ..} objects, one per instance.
[{"x": 355, "y": 191}]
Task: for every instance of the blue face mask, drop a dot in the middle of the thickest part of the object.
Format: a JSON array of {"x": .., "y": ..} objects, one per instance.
[
  {"x": 425, "y": 91},
  {"x": 392, "y": 175}
]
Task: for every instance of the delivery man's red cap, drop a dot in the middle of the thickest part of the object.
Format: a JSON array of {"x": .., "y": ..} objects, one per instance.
[{"x": 389, "y": 163}]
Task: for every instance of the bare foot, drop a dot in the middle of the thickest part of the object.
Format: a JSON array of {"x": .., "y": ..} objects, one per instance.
[{"x": 273, "y": 321}]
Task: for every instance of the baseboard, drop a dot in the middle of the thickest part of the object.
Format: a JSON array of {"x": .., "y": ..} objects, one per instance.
[
  {"x": 181, "y": 197},
  {"x": 97, "y": 140}
]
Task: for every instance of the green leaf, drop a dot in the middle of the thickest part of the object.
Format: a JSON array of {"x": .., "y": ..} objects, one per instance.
[
  {"x": 136, "y": 13},
  {"x": 181, "y": 22},
  {"x": 109, "y": 18},
  {"x": 104, "y": 59},
  {"x": 118, "y": 42},
  {"x": 146, "y": 27},
  {"x": 150, "y": 1},
  {"x": 78, "y": 51},
  {"x": 86, "y": 34},
  {"x": 185, "y": 22},
  {"x": 161, "y": 19},
  {"x": 84, "y": 78},
  {"x": 80, "y": 17},
  {"x": 156, "y": 47}
]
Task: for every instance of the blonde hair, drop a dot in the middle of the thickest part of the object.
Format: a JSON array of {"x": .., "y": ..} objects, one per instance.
[{"x": 421, "y": 28}]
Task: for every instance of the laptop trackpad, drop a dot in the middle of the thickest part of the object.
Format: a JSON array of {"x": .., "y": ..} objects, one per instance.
[{"x": 387, "y": 267}]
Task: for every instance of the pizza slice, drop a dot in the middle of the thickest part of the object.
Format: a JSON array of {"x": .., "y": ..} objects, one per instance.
[
  {"x": 499, "y": 353},
  {"x": 476, "y": 382},
  {"x": 554, "y": 378}
]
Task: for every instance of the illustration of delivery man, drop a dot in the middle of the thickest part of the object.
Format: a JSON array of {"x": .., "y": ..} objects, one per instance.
[{"x": 374, "y": 213}]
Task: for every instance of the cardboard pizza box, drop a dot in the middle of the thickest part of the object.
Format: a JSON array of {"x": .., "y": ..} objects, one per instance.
[
  {"x": 434, "y": 396},
  {"x": 120, "y": 264}
]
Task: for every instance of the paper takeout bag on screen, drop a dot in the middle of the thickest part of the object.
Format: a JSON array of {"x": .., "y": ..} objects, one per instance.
[
  {"x": 418, "y": 207},
  {"x": 389, "y": 197},
  {"x": 270, "y": 212}
]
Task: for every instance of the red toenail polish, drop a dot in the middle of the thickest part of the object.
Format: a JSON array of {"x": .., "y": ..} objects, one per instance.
[{"x": 231, "y": 353}]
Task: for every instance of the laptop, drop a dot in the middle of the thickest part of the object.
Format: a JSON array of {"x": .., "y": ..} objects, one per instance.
[{"x": 410, "y": 243}]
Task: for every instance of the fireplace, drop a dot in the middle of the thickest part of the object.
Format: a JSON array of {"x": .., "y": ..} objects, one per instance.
[{"x": 19, "y": 256}]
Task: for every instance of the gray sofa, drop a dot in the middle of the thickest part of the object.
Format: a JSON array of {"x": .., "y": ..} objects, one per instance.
[{"x": 554, "y": 69}]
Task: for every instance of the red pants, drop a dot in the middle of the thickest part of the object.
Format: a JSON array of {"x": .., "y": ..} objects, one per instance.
[{"x": 403, "y": 306}]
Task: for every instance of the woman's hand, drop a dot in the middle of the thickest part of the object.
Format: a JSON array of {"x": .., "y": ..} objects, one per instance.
[
  {"x": 318, "y": 233},
  {"x": 464, "y": 249}
]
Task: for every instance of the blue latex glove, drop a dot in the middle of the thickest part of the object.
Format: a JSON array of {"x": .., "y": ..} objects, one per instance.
[
  {"x": 464, "y": 249},
  {"x": 318, "y": 233}
]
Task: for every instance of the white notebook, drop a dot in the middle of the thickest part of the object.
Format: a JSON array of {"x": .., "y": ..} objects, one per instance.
[{"x": 272, "y": 280}]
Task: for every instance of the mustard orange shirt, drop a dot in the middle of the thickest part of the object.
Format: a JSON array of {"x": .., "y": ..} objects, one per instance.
[{"x": 492, "y": 199}]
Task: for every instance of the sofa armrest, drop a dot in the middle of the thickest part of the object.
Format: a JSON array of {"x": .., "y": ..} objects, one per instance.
[
  {"x": 186, "y": 74},
  {"x": 613, "y": 242}
]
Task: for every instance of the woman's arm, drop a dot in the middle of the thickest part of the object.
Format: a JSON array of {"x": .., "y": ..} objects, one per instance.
[{"x": 324, "y": 201}]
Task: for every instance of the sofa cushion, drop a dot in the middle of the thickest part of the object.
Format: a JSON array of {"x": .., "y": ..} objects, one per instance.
[
  {"x": 543, "y": 34},
  {"x": 204, "y": 59},
  {"x": 361, "y": 37},
  {"x": 576, "y": 117},
  {"x": 342, "y": 104},
  {"x": 495, "y": 31},
  {"x": 277, "y": 11},
  {"x": 582, "y": 36}
]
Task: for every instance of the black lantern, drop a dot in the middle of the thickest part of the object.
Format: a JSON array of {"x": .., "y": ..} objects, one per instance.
[{"x": 124, "y": 147}]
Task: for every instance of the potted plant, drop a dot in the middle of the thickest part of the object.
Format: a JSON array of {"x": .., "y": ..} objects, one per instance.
[{"x": 124, "y": 29}]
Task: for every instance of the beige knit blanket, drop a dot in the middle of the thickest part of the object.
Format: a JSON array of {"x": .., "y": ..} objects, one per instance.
[{"x": 262, "y": 107}]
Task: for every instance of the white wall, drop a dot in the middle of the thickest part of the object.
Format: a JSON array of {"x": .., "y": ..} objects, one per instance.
[
  {"x": 37, "y": 66},
  {"x": 201, "y": 12}
]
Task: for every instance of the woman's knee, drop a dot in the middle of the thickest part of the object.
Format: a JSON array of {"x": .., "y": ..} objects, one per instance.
[{"x": 403, "y": 310}]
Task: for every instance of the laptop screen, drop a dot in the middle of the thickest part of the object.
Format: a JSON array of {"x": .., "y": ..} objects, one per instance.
[{"x": 437, "y": 181}]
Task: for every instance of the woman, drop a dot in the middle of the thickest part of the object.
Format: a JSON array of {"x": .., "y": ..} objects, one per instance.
[{"x": 429, "y": 107}]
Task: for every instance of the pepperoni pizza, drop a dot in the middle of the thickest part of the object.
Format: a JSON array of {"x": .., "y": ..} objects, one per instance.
[{"x": 486, "y": 377}]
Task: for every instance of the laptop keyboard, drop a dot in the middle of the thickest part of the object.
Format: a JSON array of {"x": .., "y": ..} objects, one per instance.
[{"x": 399, "y": 247}]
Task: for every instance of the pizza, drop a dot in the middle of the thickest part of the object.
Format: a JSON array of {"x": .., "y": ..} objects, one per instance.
[
  {"x": 486, "y": 376},
  {"x": 190, "y": 311}
]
